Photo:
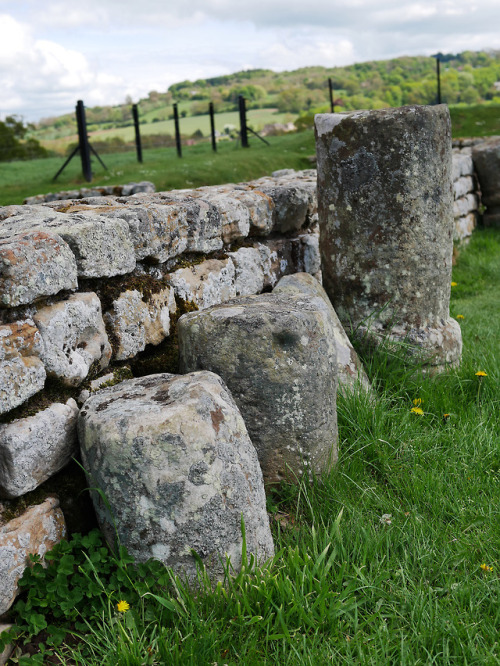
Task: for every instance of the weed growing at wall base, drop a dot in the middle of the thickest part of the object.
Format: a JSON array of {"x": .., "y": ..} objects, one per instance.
[{"x": 393, "y": 558}]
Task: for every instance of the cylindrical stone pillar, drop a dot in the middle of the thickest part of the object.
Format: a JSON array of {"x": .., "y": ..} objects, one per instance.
[{"x": 385, "y": 204}]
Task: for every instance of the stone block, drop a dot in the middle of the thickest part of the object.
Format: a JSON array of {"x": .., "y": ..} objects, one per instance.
[
  {"x": 34, "y": 448},
  {"x": 74, "y": 338},
  {"x": 102, "y": 246},
  {"x": 486, "y": 157},
  {"x": 464, "y": 226},
  {"x": 463, "y": 186},
  {"x": 22, "y": 373},
  {"x": 277, "y": 355},
  {"x": 179, "y": 472},
  {"x": 205, "y": 284},
  {"x": 35, "y": 532},
  {"x": 137, "y": 321},
  {"x": 33, "y": 265},
  {"x": 462, "y": 165}
]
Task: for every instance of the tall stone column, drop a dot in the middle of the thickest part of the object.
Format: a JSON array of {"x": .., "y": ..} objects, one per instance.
[{"x": 385, "y": 206}]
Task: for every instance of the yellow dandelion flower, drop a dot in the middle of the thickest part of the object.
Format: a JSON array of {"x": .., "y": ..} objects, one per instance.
[
  {"x": 481, "y": 373},
  {"x": 486, "y": 568},
  {"x": 446, "y": 416},
  {"x": 454, "y": 284},
  {"x": 417, "y": 410},
  {"x": 417, "y": 402},
  {"x": 460, "y": 317},
  {"x": 122, "y": 606}
]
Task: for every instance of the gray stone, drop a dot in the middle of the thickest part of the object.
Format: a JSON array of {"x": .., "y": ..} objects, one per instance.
[
  {"x": 351, "y": 374},
  {"x": 486, "y": 156},
  {"x": 464, "y": 226},
  {"x": 33, "y": 265},
  {"x": 102, "y": 246},
  {"x": 276, "y": 353},
  {"x": 7, "y": 651},
  {"x": 291, "y": 202},
  {"x": 34, "y": 448},
  {"x": 249, "y": 271},
  {"x": 205, "y": 284},
  {"x": 137, "y": 321},
  {"x": 386, "y": 223},
  {"x": 22, "y": 373},
  {"x": 465, "y": 205},
  {"x": 462, "y": 165},
  {"x": 35, "y": 532},
  {"x": 463, "y": 186},
  {"x": 174, "y": 460},
  {"x": 74, "y": 338}
]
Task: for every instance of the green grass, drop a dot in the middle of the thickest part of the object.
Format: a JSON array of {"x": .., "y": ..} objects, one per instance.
[
  {"x": 344, "y": 587},
  {"x": 198, "y": 166},
  {"x": 476, "y": 120}
]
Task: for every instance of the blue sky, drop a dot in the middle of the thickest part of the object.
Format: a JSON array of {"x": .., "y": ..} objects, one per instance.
[{"x": 53, "y": 52}]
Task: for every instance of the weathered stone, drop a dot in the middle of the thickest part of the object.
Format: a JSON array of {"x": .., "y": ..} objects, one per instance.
[
  {"x": 34, "y": 448},
  {"x": 311, "y": 258},
  {"x": 74, "y": 338},
  {"x": 174, "y": 460},
  {"x": 462, "y": 165},
  {"x": 349, "y": 368},
  {"x": 464, "y": 226},
  {"x": 486, "y": 156},
  {"x": 465, "y": 205},
  {"x": 205, "y": 284},
  {"x": 35, "y": 532},
  {"x": 102, "y": 246},
  {"x": 22, "y": 373},
  {"x": 291, "y": 202},
  {"x": 463, "y": 186},
  {"x": 249, "y": 272},
  {"x": 386, "y": 221},
  {"x": 260, "y": 209},
  {"x": 33, "y": 265},
  {"x": 203, "y": 220},
  {"x": 136, "y": 322},
  {"x": 7, "y": 651},
  {"x": 276, "y": 353}
]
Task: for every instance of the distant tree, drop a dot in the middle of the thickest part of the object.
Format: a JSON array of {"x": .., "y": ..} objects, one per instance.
[{"x": 14, "y": 145}]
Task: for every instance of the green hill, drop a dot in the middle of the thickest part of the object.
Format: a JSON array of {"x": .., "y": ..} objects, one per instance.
[{"x": 467, "y": 78}]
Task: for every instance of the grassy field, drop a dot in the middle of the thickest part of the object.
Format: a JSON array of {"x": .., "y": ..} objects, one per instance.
[
  {"x": 198, "y": 166},
  {"x": 478, "y": 120},
  {"x": 348, "y": 585}
]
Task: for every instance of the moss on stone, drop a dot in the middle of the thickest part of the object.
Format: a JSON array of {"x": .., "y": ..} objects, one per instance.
[{"x": 109, "y": 290}]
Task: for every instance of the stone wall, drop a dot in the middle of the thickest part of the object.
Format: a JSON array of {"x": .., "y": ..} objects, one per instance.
[{"x": 466, "y": 191}]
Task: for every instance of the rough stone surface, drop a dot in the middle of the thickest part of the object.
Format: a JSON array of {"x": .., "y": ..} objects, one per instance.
[
  {"x": 136, "y": 321},
  {"x": 119, "y": 190},
  {"x": 249, "y": 271},
  {"x": 33, "y": 265},
  {"x": 74, "y": 338},
  {"x": 34, "y": 448},
  {"x": 291, "y": 202},
  {"x": 22, "y": 373},
  {"x": 349, "y": 368},
  {"x": 486, "y": 156},
  {"x": 102, "y": 246},
  {"x": 205, "y": 284},
  {"x": 173, "y": 457},
  {"x": 35, "y": 532},
  {"x": 386, "y": 219},
  {"x": 276, "y": 353},
  {"x": 464, "y": 226},
  {"x": 463, "y": 186}
]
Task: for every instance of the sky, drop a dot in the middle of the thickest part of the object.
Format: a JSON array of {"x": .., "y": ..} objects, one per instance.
[{"x": 55, "y": 52}]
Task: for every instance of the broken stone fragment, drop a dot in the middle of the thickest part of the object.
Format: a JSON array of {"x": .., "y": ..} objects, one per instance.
[
  {"x": 35, "y": 532},
  {"x": 385, "y": 203},
  {"x": 277, "y": 355},
  {"x": 74, "y": 338},
  {"x": 22, "y": 373},
  {"x": 32, "y": 265},
  {"x": 172, "y": 456},
  {"x": 34, "y": 448},
  {"x": 136, "y": 321}
]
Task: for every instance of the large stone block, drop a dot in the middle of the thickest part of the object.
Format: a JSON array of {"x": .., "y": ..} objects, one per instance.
[
  {"x": 22, "y": 373},
  {"x": 385, "y": 205},
  {"x": 349, "y": 368},
  {"x": 35, "y": 532},
  {"x": 74, "y": 338},
  {"x": 174, "y": 460},
  {"x": 33, "y": 265},
  {"x": 34, "y": 448},
  {"x": 276, "y": 353},
  {"x": 102, "y": 246}
]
